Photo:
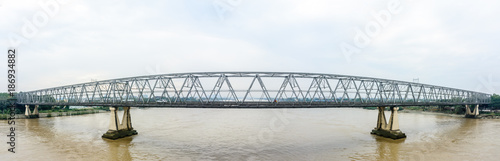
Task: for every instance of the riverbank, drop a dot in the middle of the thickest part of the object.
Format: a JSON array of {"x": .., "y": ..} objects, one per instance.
[
  {"x": 45, "y": 114},
  {"x": 481, "y": 116},
  {"x": 431, "y": 113}
]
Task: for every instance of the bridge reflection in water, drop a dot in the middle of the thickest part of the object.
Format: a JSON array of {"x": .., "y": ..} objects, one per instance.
[{"x": 252, "y": 90}]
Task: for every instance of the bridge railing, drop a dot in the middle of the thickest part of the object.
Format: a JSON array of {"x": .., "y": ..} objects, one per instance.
[{"x": 251, "y": 89}]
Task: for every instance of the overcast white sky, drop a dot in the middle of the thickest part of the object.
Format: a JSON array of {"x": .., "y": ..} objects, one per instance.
[{"x": 452, "y": 43}]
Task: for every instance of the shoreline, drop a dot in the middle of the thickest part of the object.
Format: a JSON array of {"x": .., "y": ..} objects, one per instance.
[
  {"x": 75, "y": 113},
  {"x": 480, "y": 116},
  {"x": 58, "y": 114}
]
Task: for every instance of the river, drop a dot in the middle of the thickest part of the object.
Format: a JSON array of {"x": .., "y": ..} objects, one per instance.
[{"x": 253, "y": 134}]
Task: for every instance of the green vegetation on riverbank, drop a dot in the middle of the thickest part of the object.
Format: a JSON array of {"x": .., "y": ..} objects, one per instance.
[
  {"x": 42, "y": 109},
  {"x": 59, "y": 111},
  {"x": 370, "y": 108},
  {"x": 67, "y": 109},
  {"x": 495, "y": 102},
  {"x": 375, "y": 108},
  {"x": 457, "y": 109}
]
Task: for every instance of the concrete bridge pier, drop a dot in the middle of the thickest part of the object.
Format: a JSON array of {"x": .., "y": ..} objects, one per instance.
[
  {"x": 473, "y": 114},
  {"x": 391, "y": 129},
  {"x": 29, "y": 114},
  {"x": 119, "y": 130}
]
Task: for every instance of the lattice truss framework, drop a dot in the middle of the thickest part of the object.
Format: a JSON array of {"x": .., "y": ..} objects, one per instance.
[{"x": 251, "y": 89}]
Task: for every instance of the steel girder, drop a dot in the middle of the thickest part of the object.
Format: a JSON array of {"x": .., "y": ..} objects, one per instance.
[{"x": 251, "y": 89}]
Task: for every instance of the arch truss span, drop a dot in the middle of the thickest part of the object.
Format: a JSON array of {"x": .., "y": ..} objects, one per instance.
[{"x": 251, "y": 89}]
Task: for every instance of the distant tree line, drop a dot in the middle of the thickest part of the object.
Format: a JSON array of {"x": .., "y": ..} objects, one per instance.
[
  {"x": 4, "y": 105},
  {"x": 495, "y": 102}
]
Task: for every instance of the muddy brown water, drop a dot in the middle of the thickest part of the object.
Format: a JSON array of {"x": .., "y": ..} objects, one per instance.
[{"x": 253, "y": 134}]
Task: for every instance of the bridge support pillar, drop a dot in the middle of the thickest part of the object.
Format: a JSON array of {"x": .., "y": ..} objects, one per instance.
[
  {"x": 473, "y": 114},
  {"x": 35, "y": 111},
  {"x": 391, "y": 129},
  {"x": 119, "y": 130},
  {"x": 28, "y": 113}
]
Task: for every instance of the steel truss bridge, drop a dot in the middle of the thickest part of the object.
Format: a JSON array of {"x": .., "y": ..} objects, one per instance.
[{"x": 251, "y": 89}]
